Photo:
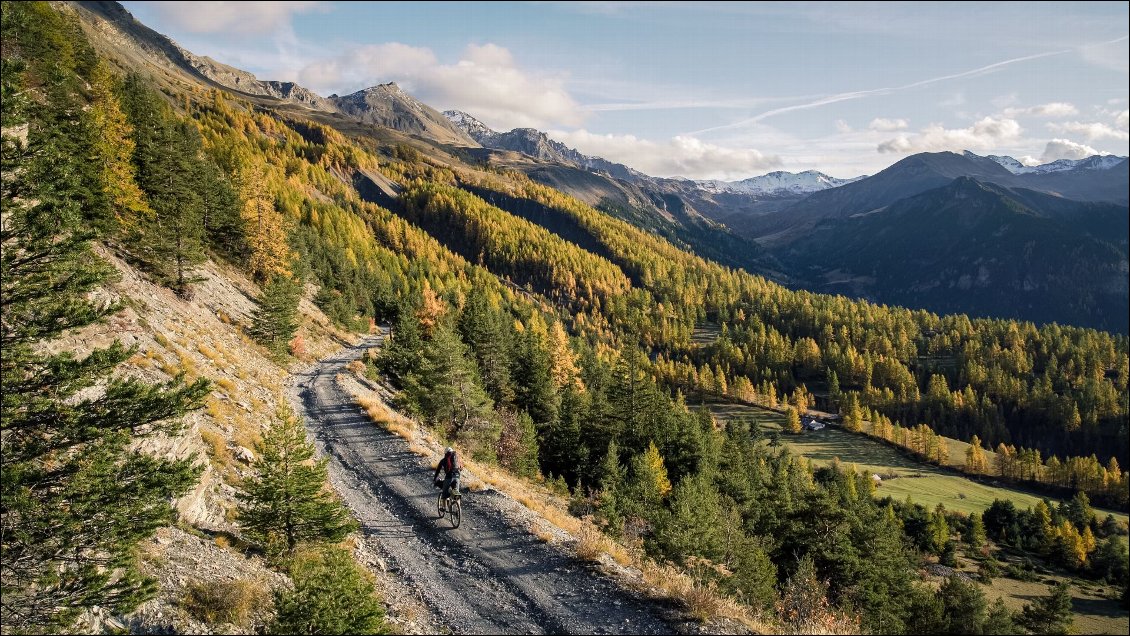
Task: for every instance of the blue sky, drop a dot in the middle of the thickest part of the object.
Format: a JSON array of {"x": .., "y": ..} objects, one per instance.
[{"x": 726, "y": 90}]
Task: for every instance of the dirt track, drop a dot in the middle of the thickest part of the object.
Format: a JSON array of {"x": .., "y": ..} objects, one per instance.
[{"x": 491, "y": 575}]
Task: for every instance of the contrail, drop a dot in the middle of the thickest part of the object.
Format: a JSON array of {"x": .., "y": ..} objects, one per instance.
[{"x": 840, "y": 97}]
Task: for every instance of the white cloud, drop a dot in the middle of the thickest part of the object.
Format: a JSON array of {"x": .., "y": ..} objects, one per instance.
[
  {"x": 1052, "y": 109},
  {"x": 679, "y": 156},
  {"x": 364, "y": 66},
  {"x": 1091, "y": 130},
  {"x": 985, "y": 134},
  {"x": 1066, "y": 149},
  {"x": 882, "y": 124},
  {"x": 1122, "y": 120},
  {"x": 243, "y": 18},
  {"x": 842, "y": 127},
  {"x": 485, "y": 81}
]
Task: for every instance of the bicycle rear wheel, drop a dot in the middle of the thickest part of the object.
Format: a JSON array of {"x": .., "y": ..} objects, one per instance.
[{"x": 456, "y": 512}]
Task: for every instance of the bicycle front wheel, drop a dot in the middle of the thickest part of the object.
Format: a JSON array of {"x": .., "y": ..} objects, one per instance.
[
  {"x": 456, "y": 512},
  {"x": 440, "y": 504}
]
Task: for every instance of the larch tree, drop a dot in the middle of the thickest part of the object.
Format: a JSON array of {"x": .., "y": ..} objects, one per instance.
[
  {"x": 266, "y": 233},
  {"x": 975, "y": 463},
  {"x": 792, "y": 421},
  {"x": 114, "y": 147}
]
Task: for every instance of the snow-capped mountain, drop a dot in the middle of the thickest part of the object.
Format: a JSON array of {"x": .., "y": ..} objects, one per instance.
[
  {"x": 778, "y": 183},
  {"x": 1094, "y": 162},
  {"x": 469, "y": 124}
]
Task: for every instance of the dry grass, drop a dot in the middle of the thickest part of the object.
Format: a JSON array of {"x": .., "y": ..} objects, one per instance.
[
  {"x": 590, "y": 544},
  {"x": 210, "y": 353},
  {"x": 356, "y": 367},
  {"x": 216, "y": 446},
  {"x": 220, "y": 602},
  {"x": 161, "y": 340},
  {"x": 227, "y": 385},
  {"x": 391, "y": 421},
  {"x": 215, "y": 410},
  {"x": 543, "y": 533}
]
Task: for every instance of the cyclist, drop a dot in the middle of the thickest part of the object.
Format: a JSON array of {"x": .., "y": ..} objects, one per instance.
[{"x": 451, "y": 465}]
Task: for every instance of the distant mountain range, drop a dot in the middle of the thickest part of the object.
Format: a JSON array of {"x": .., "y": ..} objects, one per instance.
[
  {"x": 976, "y": 247},
  {"x": 778, "y": 184},
  {"x": 943, "y": 231}
]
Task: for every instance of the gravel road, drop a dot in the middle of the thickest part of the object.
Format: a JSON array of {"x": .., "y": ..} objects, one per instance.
[{"x": 489, "y": 576}]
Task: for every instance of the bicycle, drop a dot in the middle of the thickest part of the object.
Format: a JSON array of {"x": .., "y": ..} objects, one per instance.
[{"x": 452, "y": 506}]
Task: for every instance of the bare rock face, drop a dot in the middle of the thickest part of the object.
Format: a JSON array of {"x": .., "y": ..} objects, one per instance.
[{"x": 388, "y": 105}]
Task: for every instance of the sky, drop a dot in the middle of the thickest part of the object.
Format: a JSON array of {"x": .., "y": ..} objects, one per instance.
[{"x": 712, "y": 90}]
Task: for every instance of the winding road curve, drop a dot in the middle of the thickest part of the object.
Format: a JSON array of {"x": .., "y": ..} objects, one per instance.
[{"x": 489, "y": 576}]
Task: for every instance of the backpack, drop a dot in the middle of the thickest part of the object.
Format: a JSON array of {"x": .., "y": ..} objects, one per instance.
[{"x": 452, "y": 463}]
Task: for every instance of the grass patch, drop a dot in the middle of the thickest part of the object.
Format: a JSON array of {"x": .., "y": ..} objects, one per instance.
[
  {"x": 543, "y": 534},
  {"x": 216, "y": 446},
  {"x": 220, "y": 602},
  {"x": 215, "y": 410},
  {"x": 926, "y": 484},
  {"x": 210, "y": 353}
]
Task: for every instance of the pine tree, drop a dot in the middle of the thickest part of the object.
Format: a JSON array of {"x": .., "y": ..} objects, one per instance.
[
  {"x": 562, "y": 447},
  {"x": 853, "y": 416},
  {"x": 1049, "y": 614},
  {"x": 486, "y": 332},
  {"x": 331, "y": 595},
  {"x": 611, "y": 499},
  {"x": 939, "y": 530},
  {"x": 833, "y": 386},
  {"x": 533, "y": 377},
  {"x": 275, "y": 320},
  {"x": 167, "y": 155},
  {"x": 518, "y": 443},
  {"x": 999, "y": 620},
  {"x": 75, "y": 498},
  {"x": 447, "y": 391},
  {"x": 224, "y": 226},
  {"x": 976, "y": 536},
  {"x": 963, "y": 606},
  {"x": 287, "y": 501},
  {"x": 402, "y": 352}
]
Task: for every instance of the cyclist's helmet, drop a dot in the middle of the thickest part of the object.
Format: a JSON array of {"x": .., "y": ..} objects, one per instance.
[{"x": 449, "y": 450}]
